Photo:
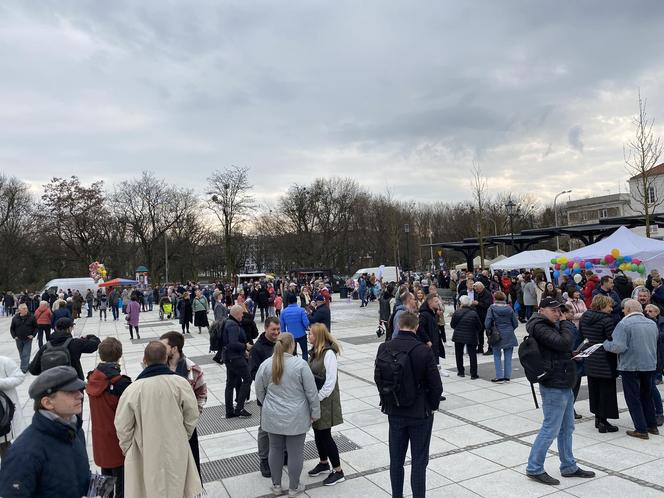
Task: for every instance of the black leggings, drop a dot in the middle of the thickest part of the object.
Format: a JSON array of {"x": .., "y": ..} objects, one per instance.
[
  {"x": 131, "y": 331},
  {"x": 185, "y": 324},
  {"x": 326, "y": 446}
]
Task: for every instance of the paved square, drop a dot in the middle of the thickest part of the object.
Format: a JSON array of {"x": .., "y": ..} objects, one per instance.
[{"x": 481, "y": 435}]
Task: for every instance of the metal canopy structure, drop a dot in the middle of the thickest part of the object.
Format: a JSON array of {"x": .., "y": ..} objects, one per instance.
[{"x": 588, "y": 234}]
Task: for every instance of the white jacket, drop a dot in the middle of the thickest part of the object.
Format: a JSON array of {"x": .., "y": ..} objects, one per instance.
[{"x": 10, "y": 377}]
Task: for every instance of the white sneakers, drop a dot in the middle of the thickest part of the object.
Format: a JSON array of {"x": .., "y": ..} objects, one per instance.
[{"x": 443, "y": 373}]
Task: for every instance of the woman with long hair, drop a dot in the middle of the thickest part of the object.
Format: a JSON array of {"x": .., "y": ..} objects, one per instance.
[
  {"x": 323, "y": 363},
  {"x": 575, "y": 300},
  {"x": 286, "y": 390}
]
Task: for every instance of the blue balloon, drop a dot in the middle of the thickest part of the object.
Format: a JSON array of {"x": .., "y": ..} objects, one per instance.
[
  {"x": 576, "y": 270},
  {"x": 568, "y": 272},
  {"x": 589, "y": 265},
  {"x": 556, "y": 274},
  {"x": 628, "y": 259}
]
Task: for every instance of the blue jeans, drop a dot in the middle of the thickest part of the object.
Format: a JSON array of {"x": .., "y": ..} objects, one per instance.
[
  {"x": 637, "y": 388},
  {"x": 657, "y": 398},
  {"x": 417, "y": 431},
  {"x": 115, "y": 311},
  {"x": 529, "y": 311},
  {"x": 24, "y": 348},
  {"x": 302, "y": 341},
  {"x": 501, "y": 373},
  {"x": 558, "y": 409}
]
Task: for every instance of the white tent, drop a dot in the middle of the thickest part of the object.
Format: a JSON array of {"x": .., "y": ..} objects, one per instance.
[
  {"x": 649, "y": 251},
  {"x": 477, "y": 261},
  {"x": 540, "y": 258}
]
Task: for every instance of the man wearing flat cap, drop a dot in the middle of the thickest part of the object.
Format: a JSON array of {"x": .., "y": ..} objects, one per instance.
[
  {"x": 554, "y": 338},
  {"x": 49, "y": 458}
]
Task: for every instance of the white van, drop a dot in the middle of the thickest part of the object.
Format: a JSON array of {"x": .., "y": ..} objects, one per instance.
[
  {"x": 81, "y": 284},
  {"x": 390, "y": 273}
]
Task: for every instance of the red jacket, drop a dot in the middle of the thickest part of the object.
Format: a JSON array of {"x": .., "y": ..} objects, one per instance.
[
  {"x": 587, "y": 291},
  {"x": 105, "y": 385},
  {"x": 43, "y": 315}
]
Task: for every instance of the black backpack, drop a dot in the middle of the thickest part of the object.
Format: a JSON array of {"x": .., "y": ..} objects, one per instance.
[
  {"x": 7, "y": 409},
  {"x": 394, "y": 377},
  {"x": 532, "y": 362},
  {"x": 55, "y": 356}
]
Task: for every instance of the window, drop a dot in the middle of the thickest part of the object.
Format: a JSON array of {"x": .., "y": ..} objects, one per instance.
[
  {"x": 651, "y": 194},
  {"x": 602, "y": 214}
]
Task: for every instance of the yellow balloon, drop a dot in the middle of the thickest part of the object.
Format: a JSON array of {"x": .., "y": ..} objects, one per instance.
[
  {"x": 615, "y": 252},
  {"x": 562, "y": 260}
]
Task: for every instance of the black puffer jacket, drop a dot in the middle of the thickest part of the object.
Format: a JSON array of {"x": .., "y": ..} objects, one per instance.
[
  {"x": 597, "y": 327},
  {"x": 428, "y": 328},
  {"x": 555, "y": 345},
  {"x": 261, "y": 351},
  {"x": 466, "y": 325}
]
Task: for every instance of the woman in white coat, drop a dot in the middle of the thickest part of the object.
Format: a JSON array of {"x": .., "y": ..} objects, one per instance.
[{"x": 11, "y": 376}]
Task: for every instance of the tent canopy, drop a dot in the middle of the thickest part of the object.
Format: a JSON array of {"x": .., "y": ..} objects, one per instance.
[
  {"x": 477, "y": 263},
  {"x": 540, "y": 258},
  {"x": 650, "y": 251},
  {"x": 118, "y": 282}
]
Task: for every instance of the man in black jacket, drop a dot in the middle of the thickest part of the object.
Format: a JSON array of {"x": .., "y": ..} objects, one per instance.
[
  {"x": 23, "y": 329},
  {"x": 261, "y": 351},
  {"x": 77, "y": 346},
  {"x": 555, "y": 339},
  {"x": 235, "y": 349},
  {"x": 322, "y": 312},
  {"x": 412, "y": 423}
]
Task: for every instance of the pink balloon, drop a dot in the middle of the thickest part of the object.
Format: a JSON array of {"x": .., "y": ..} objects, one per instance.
[
  {"x": 570, "y": 264},
  {"x": 636, "y": 261}
]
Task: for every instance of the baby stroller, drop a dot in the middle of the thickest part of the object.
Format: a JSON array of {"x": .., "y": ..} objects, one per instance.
[{"x": 165, "y": 309}]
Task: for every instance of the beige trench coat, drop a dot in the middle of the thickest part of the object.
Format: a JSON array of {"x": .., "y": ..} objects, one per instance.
[{"x": 154, "y": 420}]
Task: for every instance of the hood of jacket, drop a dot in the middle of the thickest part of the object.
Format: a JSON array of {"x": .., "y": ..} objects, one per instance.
[
  {"x": 502, "y": 310},
  {"x": 99, "y": 378},
  {"x": 59, "y": 337}
]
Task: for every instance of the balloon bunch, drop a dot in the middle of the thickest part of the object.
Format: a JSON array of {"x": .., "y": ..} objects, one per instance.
[
  {"x": 616, "y": 261},
  {"x": 97, "y": 271},
  {"x": 568, "y": 267}
]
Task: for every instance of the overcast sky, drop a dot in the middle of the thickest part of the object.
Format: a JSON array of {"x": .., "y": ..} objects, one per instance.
[{"x": 399, "y": 95}]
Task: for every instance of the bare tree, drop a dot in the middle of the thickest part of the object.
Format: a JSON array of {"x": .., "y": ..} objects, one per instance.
[
  {"x": 75, "y": 216},
  {"x": 642, "y": 153},
  {"x": 231, "y": 202},
  {"x": 149, "y": 207},
  {"x": 478, "y": 186}
]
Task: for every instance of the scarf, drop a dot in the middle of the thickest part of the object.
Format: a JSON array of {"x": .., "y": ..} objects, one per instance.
[{"x": 154, "y": 370}]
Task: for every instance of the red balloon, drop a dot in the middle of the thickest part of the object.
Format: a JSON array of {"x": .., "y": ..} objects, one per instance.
[
  {"x": 557, "y": 266},
  {"x": 570, "y": 264}
]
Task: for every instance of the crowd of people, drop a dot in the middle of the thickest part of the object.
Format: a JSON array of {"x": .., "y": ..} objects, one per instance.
[{"x": 293, "y": 363}]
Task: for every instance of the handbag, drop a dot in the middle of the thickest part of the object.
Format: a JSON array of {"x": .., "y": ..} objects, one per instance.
[
  {"x": 380, "y": 330},
  {"x": 493, "y": 336}
]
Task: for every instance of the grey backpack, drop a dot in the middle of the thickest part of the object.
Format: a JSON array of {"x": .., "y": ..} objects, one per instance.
[{"x": 56, "y": 356}]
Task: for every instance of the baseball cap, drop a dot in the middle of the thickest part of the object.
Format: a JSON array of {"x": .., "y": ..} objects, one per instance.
[
  {"x": 62, "y": 378},
  {"x": 550, "y": 302}
]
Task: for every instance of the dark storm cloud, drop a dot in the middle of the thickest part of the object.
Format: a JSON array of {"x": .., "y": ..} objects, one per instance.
[{"x": 397, "y": 94}]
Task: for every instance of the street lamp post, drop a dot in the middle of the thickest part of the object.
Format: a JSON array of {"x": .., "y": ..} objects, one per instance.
[
  {"x": 406, "y": 229},
  {"x": 510, "y": 213},
  {"x": 433, "y": 265},
  {"x": 166, "y": 254},
  {"x": 555, "y": 214}
]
